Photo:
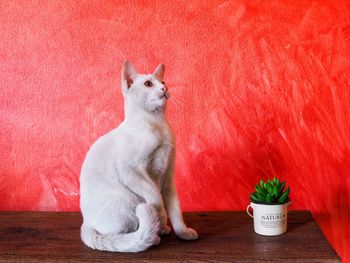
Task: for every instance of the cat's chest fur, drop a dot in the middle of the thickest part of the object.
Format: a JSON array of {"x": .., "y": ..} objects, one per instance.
[
  {"x": 157, "y": 146},
  {"x": 145, "y": 145}
]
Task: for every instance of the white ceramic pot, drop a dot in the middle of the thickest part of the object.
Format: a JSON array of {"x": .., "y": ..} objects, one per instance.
[{"x": 269, "y": 220}]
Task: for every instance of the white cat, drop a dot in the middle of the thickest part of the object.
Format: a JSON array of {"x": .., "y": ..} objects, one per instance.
[{"x": 127, "y": 187}]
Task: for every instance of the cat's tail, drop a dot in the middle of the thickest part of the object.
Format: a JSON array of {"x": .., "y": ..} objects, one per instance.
[{"x": 140, "y": 240}]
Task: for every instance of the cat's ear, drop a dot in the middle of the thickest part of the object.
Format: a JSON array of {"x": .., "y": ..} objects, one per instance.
[
  {"x": 159, "y": 72},
  {"x": 128, "y": 74}
]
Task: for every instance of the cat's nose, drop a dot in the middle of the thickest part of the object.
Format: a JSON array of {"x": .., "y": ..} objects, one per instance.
[{"x": 163, "y": 88}]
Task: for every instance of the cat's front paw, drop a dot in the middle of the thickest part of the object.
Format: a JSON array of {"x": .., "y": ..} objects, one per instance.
[
  {"x": 187, "y": 234},
  {"x": 164, "y": 230},
  {"x": 163, "y": 218}
]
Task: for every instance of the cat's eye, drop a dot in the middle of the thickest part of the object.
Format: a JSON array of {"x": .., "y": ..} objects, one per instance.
[
  {"x": 163, "y": 82},
  {"x": 148, "y": 83}
]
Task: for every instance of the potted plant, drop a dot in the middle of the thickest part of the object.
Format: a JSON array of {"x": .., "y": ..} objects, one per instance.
[{"x": 270, "y": 203}]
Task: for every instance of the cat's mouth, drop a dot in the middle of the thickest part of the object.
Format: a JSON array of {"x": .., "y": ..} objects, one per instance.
[{"x": 165, "y": 95}]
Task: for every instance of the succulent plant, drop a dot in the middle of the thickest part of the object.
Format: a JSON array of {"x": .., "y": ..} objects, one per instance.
[{"x": 270, "y": 192}]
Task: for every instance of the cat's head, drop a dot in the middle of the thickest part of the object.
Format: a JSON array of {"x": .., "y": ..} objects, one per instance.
[{"x": 147, "y": 91}]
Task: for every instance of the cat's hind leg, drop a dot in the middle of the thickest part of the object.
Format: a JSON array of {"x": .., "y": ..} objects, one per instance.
[
  {"x": 139, "y": 240},
  {"x": 113, "y": 213}
]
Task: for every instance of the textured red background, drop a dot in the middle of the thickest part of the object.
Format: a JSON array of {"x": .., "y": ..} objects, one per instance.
[{"x": 259, "y": 88}]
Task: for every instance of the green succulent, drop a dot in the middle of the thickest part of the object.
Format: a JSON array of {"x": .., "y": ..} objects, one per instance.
[{"x": 270, "y": 192}]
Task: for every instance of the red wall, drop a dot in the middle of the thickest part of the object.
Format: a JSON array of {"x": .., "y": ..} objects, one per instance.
[{"x": 259, "y": 88}]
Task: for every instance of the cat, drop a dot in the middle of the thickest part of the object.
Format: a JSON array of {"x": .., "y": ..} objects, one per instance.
[{"x": 127, "y": 188}]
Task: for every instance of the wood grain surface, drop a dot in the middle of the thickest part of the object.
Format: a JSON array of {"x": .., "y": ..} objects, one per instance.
[{"x": 223, "y": 237}]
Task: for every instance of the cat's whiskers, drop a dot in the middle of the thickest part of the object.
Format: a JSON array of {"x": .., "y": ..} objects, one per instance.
[{"x": 176, "y": 102}]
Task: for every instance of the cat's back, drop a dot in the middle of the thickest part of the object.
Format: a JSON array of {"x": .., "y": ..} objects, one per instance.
[{"x": 98, "y": 157}]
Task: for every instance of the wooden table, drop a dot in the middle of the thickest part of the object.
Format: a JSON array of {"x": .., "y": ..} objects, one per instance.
[{"x": 223, "y": 236}]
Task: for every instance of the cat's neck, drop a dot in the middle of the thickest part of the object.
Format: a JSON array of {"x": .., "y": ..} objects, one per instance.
[{"x": 138, "y": 116}]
